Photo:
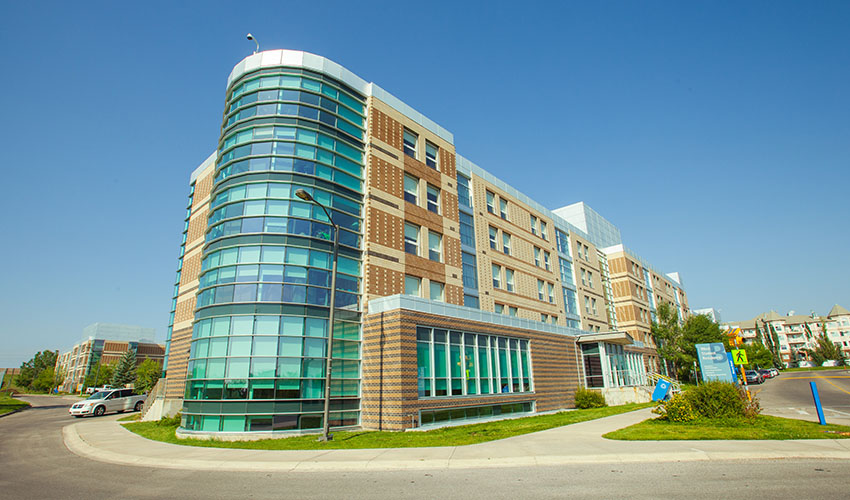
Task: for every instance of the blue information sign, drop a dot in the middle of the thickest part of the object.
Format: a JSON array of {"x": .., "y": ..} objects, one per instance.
[{"x": 713, "y": 362}]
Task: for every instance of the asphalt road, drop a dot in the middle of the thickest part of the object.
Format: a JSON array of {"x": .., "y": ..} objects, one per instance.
[
  {"x": 34, "y": 464},
  {"x": 789, "y": 395}
]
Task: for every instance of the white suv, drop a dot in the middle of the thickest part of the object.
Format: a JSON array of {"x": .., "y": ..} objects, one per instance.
[{"x": 118, "y": 400}]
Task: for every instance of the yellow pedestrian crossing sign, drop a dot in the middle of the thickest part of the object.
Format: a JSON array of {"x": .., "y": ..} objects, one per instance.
[{"x": 739, "y": 356}]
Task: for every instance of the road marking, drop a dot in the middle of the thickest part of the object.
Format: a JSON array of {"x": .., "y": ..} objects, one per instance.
[
  {"x": 834, "y": 385},
  {"x": 806, "y": 378}
]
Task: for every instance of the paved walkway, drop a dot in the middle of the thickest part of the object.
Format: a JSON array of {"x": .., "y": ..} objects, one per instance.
[{"x": 105, "y": 440}]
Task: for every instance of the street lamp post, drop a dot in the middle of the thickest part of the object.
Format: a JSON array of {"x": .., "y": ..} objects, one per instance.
[{"x": 326, "y": 435}]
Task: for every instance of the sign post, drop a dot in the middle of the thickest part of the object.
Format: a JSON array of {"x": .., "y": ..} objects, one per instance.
[{"x": 739, "y": 357}]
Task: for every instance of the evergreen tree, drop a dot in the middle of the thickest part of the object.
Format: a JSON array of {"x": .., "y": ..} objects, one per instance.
[
  {"x": 826, "y": 349},
  {"x": 125, "y": 372}
]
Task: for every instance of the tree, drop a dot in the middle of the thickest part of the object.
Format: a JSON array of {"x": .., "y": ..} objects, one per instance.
[
  {"x": 103, "y": 372},
  {"x": 758, "y": 355},
  {"x": 677, "y": 342},
  {"x": 826, "y": 349},
  {"x": 31, "y": 369},
  {"x": 147, "y": 375},
  {"x": 125, "y": 372},
  {"x": 45, "y": 381}
]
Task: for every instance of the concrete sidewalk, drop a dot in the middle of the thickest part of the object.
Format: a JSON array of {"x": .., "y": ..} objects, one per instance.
[{"x": 105, "y": 440}]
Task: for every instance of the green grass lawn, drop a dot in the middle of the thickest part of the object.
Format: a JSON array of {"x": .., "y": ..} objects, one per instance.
[
  {"x": 8, "y": 404},
  {"x": 446, "y": 436},
  {"x": 764, "y": 427},
  {"x": 129, "y": 418}
]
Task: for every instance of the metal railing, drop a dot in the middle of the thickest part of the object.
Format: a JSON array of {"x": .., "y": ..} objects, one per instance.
[{"x": 653, "y": 378}]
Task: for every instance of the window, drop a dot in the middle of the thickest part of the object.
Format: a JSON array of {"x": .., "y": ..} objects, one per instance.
[
  {"x": 586, "y": 256},
  {"x": 534, "y": 225},
  {"x": 503, "y": 209},
  {"x": 431, "y": 155},
  {"x": 551, "y": 289},
  {"x": 411, "y": 189},
  {"x": 470, "y": 270},
  {"x": 433, "y": 199},
  {"x": 543, "y": 317},
  {"x": 410, "y": 140},
  {"x": 494, "y": 237},
  {"x": 506, "y": 243},
  {"x": 563, "y": 242},
  {"x": 590, "y": 279},
  {"x": 435, "y": 243},
  {"x": 463, "y": 195},
  {"x": 587, "y": 305},
  {"x": 467, "y": 229},
  {"x": 543, "y": 230},
  {"x": 583, "y": 277},
  {"x": 536, "y": 256},
  {"x": 540, "y": 287},
  {"x": 497, "y": 276},
  {"x": 411, "y": 286},
  {"x": 491, "y": 202},
  {"x": 593, "y": 305},
  {"x": 512, "y": 311},
  {"x": 570, "y": 301},
  {"x": 546, "y": 260},
  {"x": 437, "y": 290},
  {"x": 499, "y": 308},
  {"x": 471, "y": 301},
  {"x": 509, "y": 279},
  {"x": 411, "y": 238}
]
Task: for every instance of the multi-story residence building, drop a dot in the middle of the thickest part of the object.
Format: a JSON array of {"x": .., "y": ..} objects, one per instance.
[
  {"x": 458, "y": 297},
  {"x": 105, "y": 343},
  {"x": 795, "y": 333}
]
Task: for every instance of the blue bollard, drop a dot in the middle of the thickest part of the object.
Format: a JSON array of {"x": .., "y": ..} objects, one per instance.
[{"x": 817, "y": 403}]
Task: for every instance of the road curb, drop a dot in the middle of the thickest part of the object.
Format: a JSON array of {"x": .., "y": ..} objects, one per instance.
[
  {"x": 16, "y": 411},
  {"x": 77, "y": 445}
]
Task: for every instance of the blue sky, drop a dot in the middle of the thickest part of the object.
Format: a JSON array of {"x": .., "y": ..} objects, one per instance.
[{"x": 716, "y": 135}]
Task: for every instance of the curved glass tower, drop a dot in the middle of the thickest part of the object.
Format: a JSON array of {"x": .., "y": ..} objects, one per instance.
[{"x": 261, "y": 325}]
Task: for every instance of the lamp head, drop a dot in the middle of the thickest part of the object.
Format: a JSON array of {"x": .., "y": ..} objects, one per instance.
[
  {"x": 304, "y": 195},
  {"x": 250, "y": 36}
]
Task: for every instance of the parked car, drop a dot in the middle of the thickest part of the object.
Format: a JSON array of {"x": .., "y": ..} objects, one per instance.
[
  {"x": 775, "y": 372},
  {"x": 767, "y": 372},
  {"x": 117, "y": 400},
  {"x": 754, "y": 377}
]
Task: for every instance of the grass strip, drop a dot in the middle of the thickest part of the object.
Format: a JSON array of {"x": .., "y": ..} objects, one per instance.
[
  {"x": 813, "y": 369},
  {"x": 763, "y": 427},
  {"x": 9, "y": 404},
  {"x": 446, "y": 436}
]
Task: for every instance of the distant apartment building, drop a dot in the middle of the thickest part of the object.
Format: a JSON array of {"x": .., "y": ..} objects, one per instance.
[
  {"x": 795, "y": 333},
  {"x": 458, "y": 297},
  {"x": 712, "y": 314},
  {"x": 105, "y": 343}
]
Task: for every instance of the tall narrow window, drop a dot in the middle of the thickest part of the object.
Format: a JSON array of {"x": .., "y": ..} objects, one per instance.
[
  {"x": 491, "y": 202},
  {"x": 499, "y": 308},
  {"x": 437, "y": 291},
  {"x": 503, "y": 208},
  {"x": 509, "y": 279},
  {"x": 412, "y": 285},
  {"x": 411, "y": 189},
  {"x": 433, "y": 199},
  {"x": 534, "y": 225},
  {"x": 587, "y": 305},
  {"x": 431, "y": 155},
  {"x": 512, "y": 311},
  {"x": 463, "y": 194},
  {"x": 590, "y": 279},
  {"x": 411, "y": 239},
  {"x": 497, "y": 276},
  {"x": 494, "y": 237},
  {"x": 546, "y": 260},
  {"x": 506, "y": 243},
  {"x": 410, "y": 140},
  {"x": 543, "y": 230},
  {"x": 593, "y": 305},
  {"x": 536, "y": 256},
  {"x": 551, "y": 293},
  {"x": 584, "y": 278},
  {"x": 435, "y": 243},
  {"x": 540, "y": 289}
]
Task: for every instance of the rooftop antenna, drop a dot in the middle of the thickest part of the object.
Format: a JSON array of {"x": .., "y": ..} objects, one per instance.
[{"x": 251, "y": 37}]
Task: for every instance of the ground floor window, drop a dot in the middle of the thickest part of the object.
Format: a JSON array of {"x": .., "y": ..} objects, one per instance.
[
  {"x": 593, "y": 376},
  {"x": 472, "y": 412},
  {"x": 454, "y": 363}
]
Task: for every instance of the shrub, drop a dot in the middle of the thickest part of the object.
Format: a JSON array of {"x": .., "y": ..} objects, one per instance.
[
  {"x": 717, "y": 400},
  {"x": 751, "y": 408},
  {"x": 676, "y": 409},
  {"x": 172, "y": 421},
  {"x": 586, "y": 398}
]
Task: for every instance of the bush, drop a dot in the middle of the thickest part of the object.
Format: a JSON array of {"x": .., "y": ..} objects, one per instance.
[
  {"x": 717, "y": 400},
  {"x": 172, "y": 421},
  {"x": 676, "y": 409},
  {"x": 586, "y": 398}
]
